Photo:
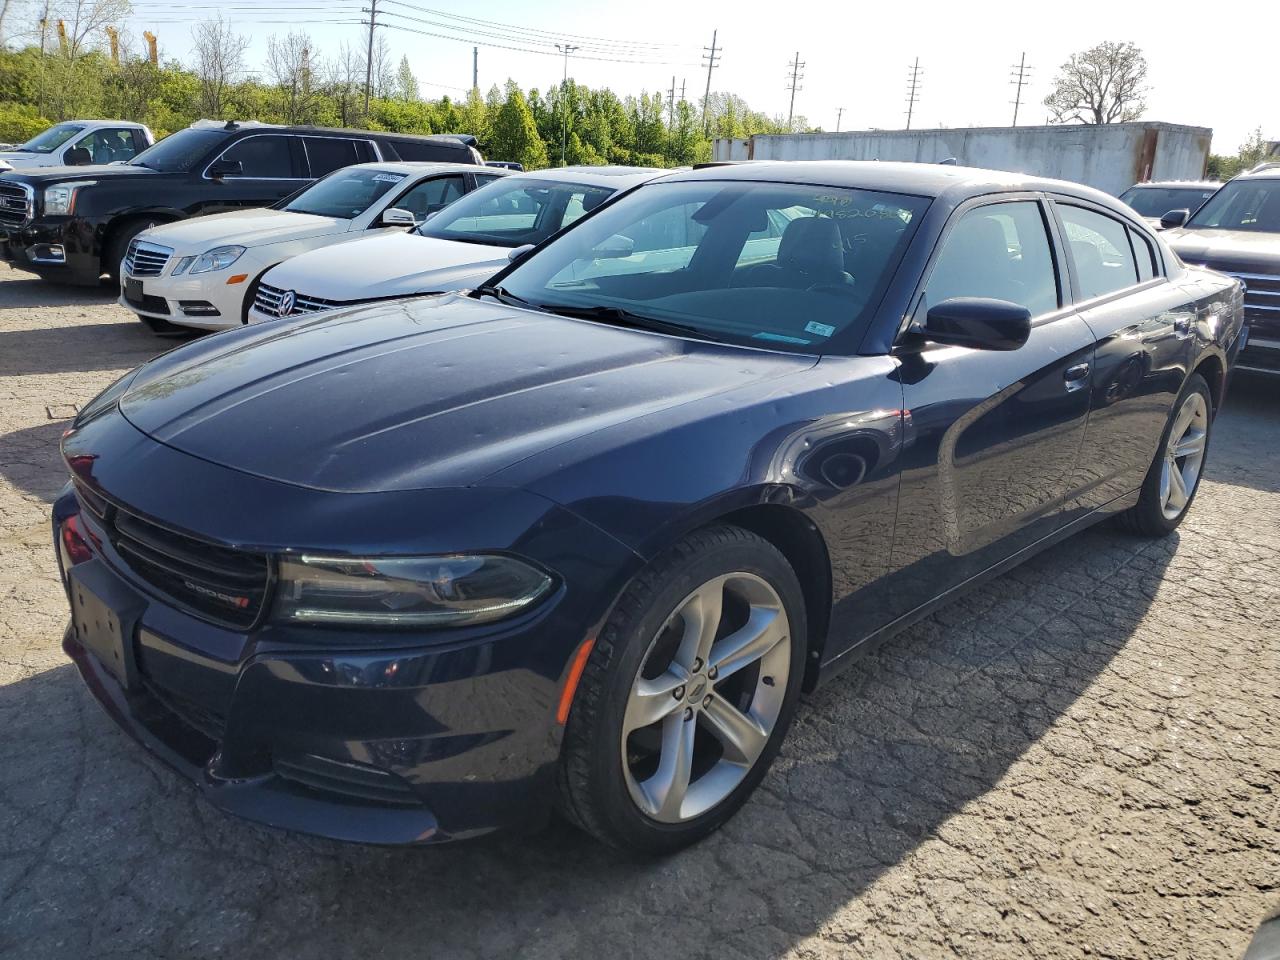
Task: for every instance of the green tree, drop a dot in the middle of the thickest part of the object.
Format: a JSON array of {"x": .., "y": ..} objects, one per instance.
[{"x": 514, "y": 135}]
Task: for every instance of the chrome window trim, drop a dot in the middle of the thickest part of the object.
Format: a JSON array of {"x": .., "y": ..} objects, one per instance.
[{"x": 269, "y": 133}]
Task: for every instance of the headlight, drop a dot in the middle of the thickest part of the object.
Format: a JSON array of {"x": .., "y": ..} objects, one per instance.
[
  {"x": 60, "y": 199},
  {"x": 406, "y": 591},
  {"x": 216, "y": 259}
]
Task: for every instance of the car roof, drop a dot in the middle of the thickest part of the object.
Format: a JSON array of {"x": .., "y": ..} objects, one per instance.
[
  {"x": 617, "y": 178},
  {"x": 1175, "y": 184},
  {"x": 414, "y": 167},
  {"x": 1267, "y": 170},
  {"x": 103, "y": 123}
]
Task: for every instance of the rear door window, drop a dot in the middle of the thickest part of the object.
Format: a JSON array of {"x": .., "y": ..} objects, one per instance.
[
  {"x": 1100, "y": 251},
  {"x": 327, "y": 154}
]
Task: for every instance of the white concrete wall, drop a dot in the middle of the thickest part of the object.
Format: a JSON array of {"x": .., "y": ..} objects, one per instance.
[{"x": 1107, "y": 156}]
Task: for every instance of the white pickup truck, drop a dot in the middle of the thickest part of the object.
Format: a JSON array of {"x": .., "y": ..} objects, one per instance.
[{"x": 75, "y": 143}]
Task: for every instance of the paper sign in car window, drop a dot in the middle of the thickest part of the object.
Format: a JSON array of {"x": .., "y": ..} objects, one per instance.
[{"x": 388, "y": 177}]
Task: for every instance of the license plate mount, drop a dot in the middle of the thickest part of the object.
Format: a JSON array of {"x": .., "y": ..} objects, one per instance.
[
  {"x": 133, "y": 290},
  {"x": 104, "y": 619}
]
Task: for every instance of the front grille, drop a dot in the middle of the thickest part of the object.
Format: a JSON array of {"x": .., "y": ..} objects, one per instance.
[
  {"x": 203, "y": 719},
  {"x": 219, "y": 584},
  {"x": 356, "y": 780},
  {"x": 268, "y": 299},
  {"x": 15, "y": 204},
  {"x": 1261, "y": 297},
  {"x": 144, "y": 259}
]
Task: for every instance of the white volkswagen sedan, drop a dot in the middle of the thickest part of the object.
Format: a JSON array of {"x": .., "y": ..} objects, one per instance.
[
  {"x": 453, "y": 250},
  {"x": 203, "y": 272}
]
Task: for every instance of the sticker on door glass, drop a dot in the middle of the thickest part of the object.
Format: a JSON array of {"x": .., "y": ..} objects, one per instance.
[{"x": 821, "y": 329}]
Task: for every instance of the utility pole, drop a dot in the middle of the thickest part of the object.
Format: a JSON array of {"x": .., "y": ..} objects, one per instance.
[
  {"x": 566, "y": 49},
  {"x": 913, "y": 89},
  {"x": 1019, "y": 78},
  {"x": 682, "y": 82},
  {"x": 710, "y": 58},
  {"x": 44, "y": 27},
  {"x": 839, "y": 115},
  {"x": 475, "y": 69},
  {"x": 793, "y": 81},
  {"x": 671, "y": 105},
  {"x": 372, "y": 10}
]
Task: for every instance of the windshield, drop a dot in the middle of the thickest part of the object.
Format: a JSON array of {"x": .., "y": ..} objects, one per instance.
[
  {"x": 51, "y": 139},
  {"x": 787, "y": 266},
  {"x": 1252, "y": 205},
  {"x": 179, "y": 152},
  {"x": 345, "y": 193},
  {"x": 1157, "y": 201},
  {"x": 511, "y": 212}
]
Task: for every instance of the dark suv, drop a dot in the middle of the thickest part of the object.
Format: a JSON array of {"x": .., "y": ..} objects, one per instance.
[
  {"x": 1237, "y": 231},
  {"x": 73, "y": 224}
]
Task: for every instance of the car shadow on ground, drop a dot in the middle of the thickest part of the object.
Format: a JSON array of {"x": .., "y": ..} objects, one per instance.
[
  {"x": 1241, "y": 449},
  {"x": 105, "y": 847},
  {"x": 27, "y": 290},
  {"x": 31, "y": 461},
  {"x": 79, "y": 348}
]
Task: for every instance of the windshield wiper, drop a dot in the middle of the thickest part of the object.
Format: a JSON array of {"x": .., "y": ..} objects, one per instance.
[
  {"x": 620, "y": 316},
  {"x": 503, "y": 295}
]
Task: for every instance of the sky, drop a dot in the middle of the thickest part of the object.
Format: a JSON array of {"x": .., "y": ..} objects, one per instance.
[{"x": 855, "y": 56}]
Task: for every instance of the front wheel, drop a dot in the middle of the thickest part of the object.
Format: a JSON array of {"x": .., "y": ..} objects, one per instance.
[
  {"x": 1174, "y": 477},
  {"x": 687, "y": 694}
]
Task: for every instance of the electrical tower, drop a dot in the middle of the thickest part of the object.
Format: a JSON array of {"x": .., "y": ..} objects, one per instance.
[
  {"x": 710, "y": 57},
  {"x": 793, "y": 83},
  {"x": 913, "y": 90},
  {"x": 566, "y": 49},
  {"x": 1019, "y": 79}
]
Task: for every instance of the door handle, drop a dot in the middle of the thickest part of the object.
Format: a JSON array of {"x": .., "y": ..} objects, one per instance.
[{"x": 1076, "y": 377}]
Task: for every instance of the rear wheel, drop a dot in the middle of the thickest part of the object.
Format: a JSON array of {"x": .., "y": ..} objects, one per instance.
[
  {"x": 687, "y": 694},
  {"x": 1171, "y": 483}
]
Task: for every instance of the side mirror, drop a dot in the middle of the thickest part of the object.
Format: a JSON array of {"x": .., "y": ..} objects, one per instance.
[
  {"x": 519, "y": 252},
  {"x": 615, "y": 247},
  {"x": 977, "y": 322},
  {"x": 397, "y": 217},
  {"x": 1174, "y": 218},
  {"x": 225, "y": 168},
  {"x": 77, "y": 157}
]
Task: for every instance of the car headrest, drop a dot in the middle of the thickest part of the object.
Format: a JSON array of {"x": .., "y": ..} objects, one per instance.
[{"x": 812, "y": 245}]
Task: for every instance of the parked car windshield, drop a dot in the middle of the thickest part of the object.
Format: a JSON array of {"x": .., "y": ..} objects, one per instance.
[
  {"x": 180, "y": 151},
  {"x": 787, "y": 266},
  {"x": 51, "y": 139},
  {"x": 1252, "y": 205},
  {"x": 511, "y": 212},
  {"x": 344, "y": 193},
  {"x": 1157, "y": 201}
]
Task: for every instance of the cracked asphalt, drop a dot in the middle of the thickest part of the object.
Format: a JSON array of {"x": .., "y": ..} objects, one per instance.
[{"x": 1078, "y": 760}]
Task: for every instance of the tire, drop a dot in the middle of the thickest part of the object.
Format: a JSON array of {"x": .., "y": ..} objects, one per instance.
[
  {"x": 119, "y": 244},
  {"x": 607, "y": 774},
  {"x": 1155, "y": 514}
]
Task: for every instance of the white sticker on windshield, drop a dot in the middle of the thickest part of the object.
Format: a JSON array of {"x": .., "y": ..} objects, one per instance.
[
  {"x": 821, "y": 329},
  {"x": 388, "y": 177}
]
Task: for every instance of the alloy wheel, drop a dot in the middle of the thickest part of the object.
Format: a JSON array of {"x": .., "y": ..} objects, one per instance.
[
  {"x": 707, "y": 697},
  {"x": 1184, "y": 455}
]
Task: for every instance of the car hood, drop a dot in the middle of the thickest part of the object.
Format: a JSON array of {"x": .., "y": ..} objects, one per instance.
[
  {"x": 99, "y": 172},
  {"x": 1227, "y": 249},
  {"x": 429, "y": 392},
  {"x": 18, "y": 158},
  {"x": 248, "y": 228},
  {"x": 385, "y": 266}
]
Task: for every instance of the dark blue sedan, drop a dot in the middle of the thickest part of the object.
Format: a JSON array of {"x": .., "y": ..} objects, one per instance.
[{"x": 579, "y": 539}]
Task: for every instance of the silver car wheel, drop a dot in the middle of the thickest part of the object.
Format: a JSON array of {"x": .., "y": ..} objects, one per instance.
[
  {"x": 1184, "y": 455},
  {"x": 706, "y": 698}
]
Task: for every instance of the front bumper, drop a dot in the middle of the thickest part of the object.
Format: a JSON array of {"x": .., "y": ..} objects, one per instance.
[
  {"x": 379, "y": 737},
  {"x": 63, "y": 249},
  {"x": 203, "y": 302}
]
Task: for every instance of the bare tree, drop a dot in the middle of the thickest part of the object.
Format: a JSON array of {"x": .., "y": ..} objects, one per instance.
[
  {"x": 1105, "y": 84},
  {"x": 384, "y": 77},
  {"x": 219, "y": 62},
  {"x": 290, "y": 65},
  {"x": 344, "y": 79},
  {"x": 86, "y": 20}
]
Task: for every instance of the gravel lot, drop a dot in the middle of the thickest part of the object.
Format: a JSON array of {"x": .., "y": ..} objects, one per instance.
[{"x": 1078, "y": 760}]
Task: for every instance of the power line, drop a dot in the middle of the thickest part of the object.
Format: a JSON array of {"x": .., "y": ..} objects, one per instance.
[
  {"x": 793, "y": 81},
  {"x": 710, "y": 59},
  {"x": 913, "y": 90},
  {"x": 1020, "y": 79}
]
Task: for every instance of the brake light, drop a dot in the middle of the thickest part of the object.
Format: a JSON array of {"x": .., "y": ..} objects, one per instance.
[{"x": 73, "y": 541}]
